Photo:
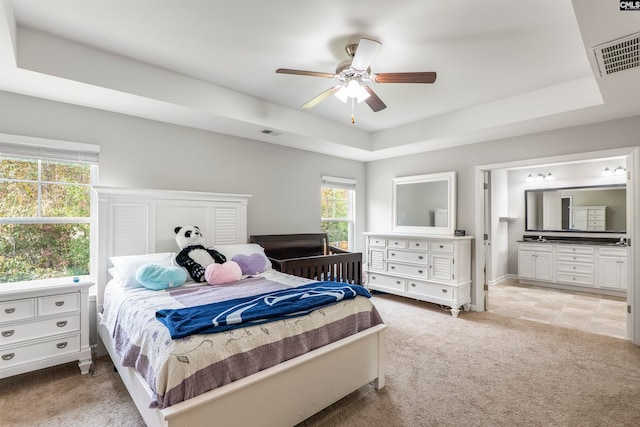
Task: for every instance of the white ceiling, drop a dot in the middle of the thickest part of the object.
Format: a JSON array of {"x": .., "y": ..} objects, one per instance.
[{"x": 505, "y": 67}]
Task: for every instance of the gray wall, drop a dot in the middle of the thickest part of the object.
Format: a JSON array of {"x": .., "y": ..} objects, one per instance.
[
  {"x": 141, "y": 153},
  {"x": 464, "y": 159}
]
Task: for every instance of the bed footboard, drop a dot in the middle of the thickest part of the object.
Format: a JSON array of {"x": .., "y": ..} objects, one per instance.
[{"x": 342, "y": 267}]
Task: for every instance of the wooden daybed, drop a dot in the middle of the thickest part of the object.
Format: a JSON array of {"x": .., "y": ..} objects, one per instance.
[
  {"x": 140, "y": 221},
  {"x": 310, "y": 255}
]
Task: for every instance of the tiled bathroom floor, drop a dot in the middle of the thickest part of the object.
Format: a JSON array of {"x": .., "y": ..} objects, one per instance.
[{"x": 598, "y": 314}]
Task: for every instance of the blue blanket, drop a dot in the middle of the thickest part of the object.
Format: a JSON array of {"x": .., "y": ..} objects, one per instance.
[{"x": 257, "y": 309}]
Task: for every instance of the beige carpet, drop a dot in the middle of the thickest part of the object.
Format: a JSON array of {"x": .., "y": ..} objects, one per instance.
[{"x": 481, "y": 369}]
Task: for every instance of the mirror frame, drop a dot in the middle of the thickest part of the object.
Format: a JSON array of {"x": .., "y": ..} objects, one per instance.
[
  {"x": 450, "y": 178},
  {"x": 578, "y": 187}
]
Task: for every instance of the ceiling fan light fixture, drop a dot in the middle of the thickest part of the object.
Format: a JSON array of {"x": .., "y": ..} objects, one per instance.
[{"x": 352, "y": 89}]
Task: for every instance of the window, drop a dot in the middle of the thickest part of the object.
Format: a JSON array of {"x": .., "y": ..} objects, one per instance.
[
  {"x": 337, "y": 203},
  {"x": 45, "y": 210}
]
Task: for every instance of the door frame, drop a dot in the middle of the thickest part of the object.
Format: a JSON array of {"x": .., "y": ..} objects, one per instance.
[{"x": 633, "y": 224}]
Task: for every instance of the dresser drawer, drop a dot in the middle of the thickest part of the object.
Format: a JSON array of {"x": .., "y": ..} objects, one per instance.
[
  {"x": 397, "y": 243},
  {"x": 575, "y": 258},
  {"x": 17, "y": 309},
  {"x": 431, "y": 290},
  {"x": 55, "y": 304},
  {"x": 379, "y": 280},
  {"x": 576, "y": 279},
  {"x": 571, "y": 267},
  {"x": 38, "y": 329},
  {"x": 407, "y": 256},
  {"x": 441, "y": 246},
  {"x": 377, "y": 241},
  {"x": 16, "y": 355},
  {"x": 407, "y": 270},
  {"x": 419, "y": 244}
]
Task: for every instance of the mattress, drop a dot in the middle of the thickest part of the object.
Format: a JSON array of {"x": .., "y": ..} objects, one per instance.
[{"x": 179, "y": 369}]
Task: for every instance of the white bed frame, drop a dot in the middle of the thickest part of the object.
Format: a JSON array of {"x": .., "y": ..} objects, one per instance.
[{"x": 137, "y": 221}]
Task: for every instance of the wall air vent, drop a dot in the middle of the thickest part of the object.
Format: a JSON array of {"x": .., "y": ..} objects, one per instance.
[
  {"x": 618, "y": 55},
  {"x": 271, "y": 132}
]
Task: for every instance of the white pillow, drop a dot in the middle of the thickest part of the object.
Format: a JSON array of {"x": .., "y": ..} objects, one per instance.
[
  {"x": 229, "y": 251},
  {"x": 125, "y": 267}
]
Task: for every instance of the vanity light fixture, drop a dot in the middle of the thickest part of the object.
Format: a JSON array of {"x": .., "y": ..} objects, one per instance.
[
  {"x": 619, "y": 171},
  {"x": 540, "y": 177}
]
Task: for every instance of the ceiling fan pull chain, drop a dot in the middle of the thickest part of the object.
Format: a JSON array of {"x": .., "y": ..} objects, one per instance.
[{"x": 353, "y": 119}]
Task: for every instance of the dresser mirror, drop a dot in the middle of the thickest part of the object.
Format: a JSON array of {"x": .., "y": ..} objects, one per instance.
[
  {"x": 425, "y": 203},
  {"x": 591, "y": 209}
]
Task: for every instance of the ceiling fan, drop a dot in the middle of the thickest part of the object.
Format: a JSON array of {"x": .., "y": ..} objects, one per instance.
[{"x": 354, "y": 74}]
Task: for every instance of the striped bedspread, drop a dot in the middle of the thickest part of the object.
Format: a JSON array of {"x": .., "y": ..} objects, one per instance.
[{"x": 179, "y": 369}]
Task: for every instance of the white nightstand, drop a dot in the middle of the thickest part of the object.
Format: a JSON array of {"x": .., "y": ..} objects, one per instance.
[{"x": 44, "y": 323}]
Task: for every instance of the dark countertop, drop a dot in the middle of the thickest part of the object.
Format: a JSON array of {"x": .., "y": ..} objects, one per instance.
[{"x": 574, "y": 242}]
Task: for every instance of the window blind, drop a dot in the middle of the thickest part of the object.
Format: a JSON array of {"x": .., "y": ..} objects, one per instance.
[
  {"x": 26, "y": 147},
  {"x": 343, "y": 183}
]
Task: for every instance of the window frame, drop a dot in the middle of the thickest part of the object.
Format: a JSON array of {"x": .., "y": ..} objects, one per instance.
[
  {"x": 20, "y": 147},
  {"x": 343, "y": 184}
]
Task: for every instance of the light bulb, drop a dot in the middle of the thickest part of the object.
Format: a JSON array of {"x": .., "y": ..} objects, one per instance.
[
  {"x": 619, "y": 170},
  {"x": 530, "y": 178},
  {"x": 607, "y": 172},
  {"x": 549, "y": 177}
]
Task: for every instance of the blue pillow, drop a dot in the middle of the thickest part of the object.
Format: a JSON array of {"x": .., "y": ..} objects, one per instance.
[{"x": 158, "y": 277}]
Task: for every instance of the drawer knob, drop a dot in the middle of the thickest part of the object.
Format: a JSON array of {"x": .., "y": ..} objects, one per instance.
[
  {"x": 61, "y": 324},
  {"x": 420, "y": 257},
  {"x": 397, "y": 282},
  {"x": 9, "y": 310},
  {"x": 8, "y": 356},
  {"x": 373, "y": 277},
  {"x": 413, "y": 284},
  {"x": 393, "y": 254},
  {"x": 59, "y": 303},
  {"x": 417, "y": 245},
  {"x": 61, "y": 344},
  {"x": 420, "y": 271},
  {"x": 441, "y": 246},
  {"x": 8, "y": 333},
  {"x": 444, "y": 291},
  {"x": 393, "y": 267}
]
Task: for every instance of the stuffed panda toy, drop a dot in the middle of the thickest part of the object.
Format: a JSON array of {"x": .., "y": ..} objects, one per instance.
[{"x": 193, "y": 256}]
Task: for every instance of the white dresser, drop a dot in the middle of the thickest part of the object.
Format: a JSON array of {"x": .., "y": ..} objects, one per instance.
[
  {"x": 589, "y": 218},
  {"x": 44, "y": 323},
  {"x": 431, "y": 268}
]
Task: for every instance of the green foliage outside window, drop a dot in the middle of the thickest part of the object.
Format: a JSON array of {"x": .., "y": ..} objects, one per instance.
[
  {"x": 334, "y": 205},
  {"x": 45, "y": 208}
]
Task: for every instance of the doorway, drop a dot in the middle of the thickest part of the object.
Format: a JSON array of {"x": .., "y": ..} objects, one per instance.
[{"x": 505, "y": 220}]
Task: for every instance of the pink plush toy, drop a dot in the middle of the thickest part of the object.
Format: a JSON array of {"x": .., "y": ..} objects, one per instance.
[{"x": 221, "y": 274}]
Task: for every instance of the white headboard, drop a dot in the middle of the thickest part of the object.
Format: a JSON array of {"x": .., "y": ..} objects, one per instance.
[{"x": 140, "y": 221}]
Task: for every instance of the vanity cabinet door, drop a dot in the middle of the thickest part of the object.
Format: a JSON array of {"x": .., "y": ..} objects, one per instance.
[
  {"x": 612, "y": 272},
  {"x": 544, "y": 263}
]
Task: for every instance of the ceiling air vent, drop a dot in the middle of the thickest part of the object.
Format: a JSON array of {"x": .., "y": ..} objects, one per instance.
[
  {"x": 271, "y": 132},
  {"x": 618, "y": 55}
]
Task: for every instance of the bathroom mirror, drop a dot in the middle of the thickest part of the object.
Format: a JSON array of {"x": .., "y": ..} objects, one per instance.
[
  {"x": 591, "y": 209},
  {"x": 425, "y": 203}
]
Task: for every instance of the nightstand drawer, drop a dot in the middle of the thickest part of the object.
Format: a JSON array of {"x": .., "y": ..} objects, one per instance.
[
  {"x": 396, "y": 243},
  {"x": 55, "y": 304},
  {"x": 18, "y": 355},
  {"x": 38, "y": 329},
  {"x": 17, "y": 310}
]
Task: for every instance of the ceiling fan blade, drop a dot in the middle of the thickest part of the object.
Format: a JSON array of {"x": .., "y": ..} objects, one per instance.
[
  {"x": 424, "y": 77},
  {"x": 373, "y": 101},
  {"x": 366, "y": 51},
  {"x": 324, "y": 95},
  {"x": 304, "y": 73}
]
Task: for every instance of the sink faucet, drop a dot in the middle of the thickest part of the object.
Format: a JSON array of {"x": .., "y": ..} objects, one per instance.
[{"x": 622, "y": 241}]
